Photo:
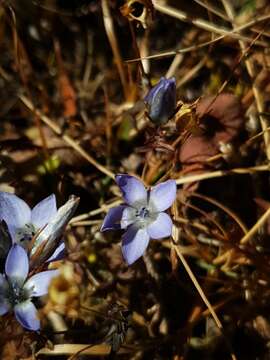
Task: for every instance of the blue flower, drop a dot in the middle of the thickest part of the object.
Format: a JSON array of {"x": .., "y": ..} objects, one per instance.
[
  {"x": 161, "y": 101},
  {"x": 23, "y": 222},
  {"x": 44, "y": 221},
  {"x": 143, "y": 214},
  {"x": 17, "y": 290}
]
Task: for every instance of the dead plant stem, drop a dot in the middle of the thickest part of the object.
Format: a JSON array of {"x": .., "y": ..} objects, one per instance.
[
  {"x": 251, "y": 71},
  {"x": 66, "y": 138}
]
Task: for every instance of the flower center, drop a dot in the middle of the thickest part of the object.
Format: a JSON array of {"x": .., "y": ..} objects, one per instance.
[
  {"x": 142, "y": 213},
  {"x": 16, "y": 293},
  {"x": 25, "y": 233}
]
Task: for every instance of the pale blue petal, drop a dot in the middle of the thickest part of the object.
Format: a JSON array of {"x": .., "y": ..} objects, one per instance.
[
  {"x": 134, "y": 243},
  {"x": 2, "y": 282},
  {"x": 161, "y": 227},
  {"x": 26, "y": 314},
  {"x": 113, "y": 218},
  {"x": 17, "y": 263},
  {"x": 132, "y": 189},
  {"x": 128, "y": 217},
  {"x": 14, "y": 211},
  {"x": 3, "y": 285},
  {"x": 163, "y": 195},
  {"x": 54, "y": 229},
  {"x": 4, "y": 304},
  {"x": 38, "y": 284},
  {"x": 44, "y": 211},
  {"x": 59, "y": 253}
]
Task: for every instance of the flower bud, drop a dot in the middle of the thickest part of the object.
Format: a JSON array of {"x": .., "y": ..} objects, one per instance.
[{"x": 161, "y": 101}]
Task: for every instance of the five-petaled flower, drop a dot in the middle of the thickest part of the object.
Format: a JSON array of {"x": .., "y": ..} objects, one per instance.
[
  {"x": 143, "y": 214},
  {"x": 23, "y": 222},
  {"x": 16, "y": 291},
  {"x": 161, "y": 101},
  {"x": 44, "y": 221}
]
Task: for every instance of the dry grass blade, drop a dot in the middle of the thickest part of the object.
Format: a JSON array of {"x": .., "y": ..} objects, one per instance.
[
  {"x": 256, "y": 227},
  {"x": 70, "y": 349},
  {"x": 108, "y": 24},
  {"x": 220, "y": 173},
  {"x": 192, "y": 72},
  {"x": 213, "y": 10},
  {"x": 206, "y": 43},
  {"x": 175, "y": 237},
  {"x": 251, "y": 71},
  {"x": 103, "y": 208},
  {"x": 203, "y": 24},
  {"x": 224, "y": 208},
  {"x": 66, "y": 138}
]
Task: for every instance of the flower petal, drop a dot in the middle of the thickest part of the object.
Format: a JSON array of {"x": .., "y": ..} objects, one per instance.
[
  {"x": 4, "y": 304},
  {"x": 17, "y": 263},
  {"x": 128, "y": 217},
  {"x": 26, "y": 314},
  {"x": 14, "y": 211},
  {"x": 132, "y": 189},
  {"x": 59, "y": 253},
  {"x": 161, "y": 227},
  {"x": 54, "y": 229},
  {"x": 163, "y": 195},
  {"x": 134, "y": 243},
  {"x": 44, "y": 211},
  {"x": 113, "y": 218},
  {"x": 38, "y": 284},
  {"x": 2, "y": 282}
]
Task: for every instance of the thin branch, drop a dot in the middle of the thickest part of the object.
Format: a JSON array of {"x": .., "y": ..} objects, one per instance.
[
  {"x": 175, "y": 238},
  {"x": 203, "y": 24},
  {"x": 66, "y": 138},
  {"x": 220, "y": 173},
  {"x": 251, "y": 71},
  {"x": 256, "y": 227},
  {"x": 213, "y": 10},
  {"x": 109, "y": 28}
]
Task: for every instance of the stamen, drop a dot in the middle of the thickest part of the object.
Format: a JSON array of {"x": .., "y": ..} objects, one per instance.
[{"x": 142, "y": 213}]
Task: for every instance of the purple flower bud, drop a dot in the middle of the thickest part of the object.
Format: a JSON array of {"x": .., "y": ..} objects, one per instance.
[{"x": 161, "y": 101}]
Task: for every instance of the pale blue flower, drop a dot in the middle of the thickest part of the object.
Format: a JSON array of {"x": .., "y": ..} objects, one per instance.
[
  {"x": 161, "y": 101},
  {"x": 44, "y": 221},
  {"x": 17, "y": 290},
  {"x": 23, "y": 222},
  {"x": 143, "y": 214}
]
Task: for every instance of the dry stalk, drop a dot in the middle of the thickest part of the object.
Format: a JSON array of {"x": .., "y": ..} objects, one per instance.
[
  {"x": 175, "y": 237},
  {"x": 109, "y": 28},
  {"x": 213, "y": 10},
  {"x": 200, "y": 23},
  {"x": 251, "y": 71},
  {"x": 199, "y": 46},
  {"x": 65, "y": 138},
  {"x": 256, "y": 227},
  {"x": 220, "y": 173},
  {"x": 69, "y": 349},
  {"x": 103, "y": 208}
]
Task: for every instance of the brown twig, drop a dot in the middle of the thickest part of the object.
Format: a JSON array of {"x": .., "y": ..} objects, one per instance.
[
  {"x": 66, "y": 138},
  {"x": 109, "y": 28}
]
